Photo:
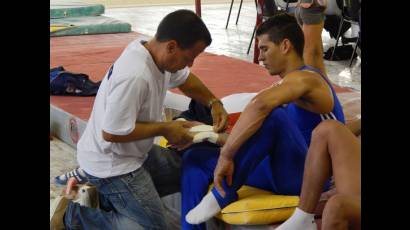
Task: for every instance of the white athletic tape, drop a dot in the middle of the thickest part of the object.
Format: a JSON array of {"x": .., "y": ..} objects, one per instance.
[
  {"x": 202, "y": 128},
  {"x": 205, "y": 136}
]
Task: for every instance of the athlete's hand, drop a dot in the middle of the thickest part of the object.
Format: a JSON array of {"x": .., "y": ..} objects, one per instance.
[{"x": 224, "y": 169}]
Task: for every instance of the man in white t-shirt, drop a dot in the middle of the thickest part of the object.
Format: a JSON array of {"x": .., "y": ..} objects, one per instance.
[{"x": 116, "y": 150}]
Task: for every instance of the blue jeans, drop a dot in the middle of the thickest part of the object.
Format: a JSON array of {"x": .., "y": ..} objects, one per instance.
[{"x": 131, "y": 201}]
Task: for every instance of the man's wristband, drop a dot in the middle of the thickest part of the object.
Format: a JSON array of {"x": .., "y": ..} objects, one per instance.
[{"x": 213, "y": 101}]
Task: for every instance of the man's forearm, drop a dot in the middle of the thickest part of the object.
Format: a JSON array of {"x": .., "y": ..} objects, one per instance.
[
  {"x": 141, "y": 131},
  {"x": 196, "y": 90}
]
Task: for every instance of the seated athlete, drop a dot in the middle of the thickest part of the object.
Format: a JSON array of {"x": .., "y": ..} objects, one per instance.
[{"x": 268, "y": 145}]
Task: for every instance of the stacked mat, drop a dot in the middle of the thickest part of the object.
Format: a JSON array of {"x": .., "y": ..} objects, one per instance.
[{"x": 70, "y": 17}]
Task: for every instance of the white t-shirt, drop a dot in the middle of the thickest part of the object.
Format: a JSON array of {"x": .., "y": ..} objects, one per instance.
[{"x": 135, "y": 91}]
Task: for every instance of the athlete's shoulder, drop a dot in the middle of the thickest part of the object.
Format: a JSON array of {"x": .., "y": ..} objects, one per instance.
[{"x": 302, "y": 76}]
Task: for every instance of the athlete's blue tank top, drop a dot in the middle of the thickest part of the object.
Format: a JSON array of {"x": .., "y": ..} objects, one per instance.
[{"x": 306, "y": 120}]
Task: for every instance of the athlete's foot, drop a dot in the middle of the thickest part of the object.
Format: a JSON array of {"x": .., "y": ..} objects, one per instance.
[{"x": 206, "y": 209}]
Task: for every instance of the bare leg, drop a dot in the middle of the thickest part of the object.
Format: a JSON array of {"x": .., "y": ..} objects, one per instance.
[
  {"x": 317, "y": 170},
  {"x": 332, "y": 145},
  {"x": 313, "y": 49},
  {"x": 342, "y": 212}
]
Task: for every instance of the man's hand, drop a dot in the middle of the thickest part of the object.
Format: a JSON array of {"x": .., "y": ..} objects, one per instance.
[
  {"x": 220, "y": 117},
  {"x": 178, "y": 134},
  {"x": 224, "y": 168}
]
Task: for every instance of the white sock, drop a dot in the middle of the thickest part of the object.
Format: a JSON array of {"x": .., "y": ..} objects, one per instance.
[
  {"x": 206, "y": 209},
  {"x": 299, "y": 220}
]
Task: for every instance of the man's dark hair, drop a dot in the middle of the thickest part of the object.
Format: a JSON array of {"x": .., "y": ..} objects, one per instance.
[
  {"x": 283, "y": 26},
  {"x": 185, "y": 27}
]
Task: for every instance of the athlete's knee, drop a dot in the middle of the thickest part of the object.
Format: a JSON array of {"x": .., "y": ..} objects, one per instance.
[
  {"x": 326, "y": 129},
  {"x": 275, "y": 118},
  {"x": 277, "y": 113}
]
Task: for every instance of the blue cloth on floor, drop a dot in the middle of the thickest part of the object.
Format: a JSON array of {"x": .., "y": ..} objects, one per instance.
[{"x": 67, "y": 83}]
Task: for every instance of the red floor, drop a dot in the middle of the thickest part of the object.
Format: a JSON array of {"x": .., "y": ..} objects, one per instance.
[{"x": 94, "y": 54}]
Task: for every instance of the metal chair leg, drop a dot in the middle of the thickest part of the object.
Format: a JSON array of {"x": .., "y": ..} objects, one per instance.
[
  {"x": 229, "y": 15},
  {"x": 354, "y": 51},
  {"x": 239, "y": 12},
  {"x": 337, "y": 37},
  {"x": 250, "y": 43}
]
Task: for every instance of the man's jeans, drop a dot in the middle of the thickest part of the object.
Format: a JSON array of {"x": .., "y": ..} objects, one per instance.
[{"x": 132, "y": 201}]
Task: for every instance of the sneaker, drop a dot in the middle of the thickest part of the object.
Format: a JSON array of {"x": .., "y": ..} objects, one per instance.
[
  {"x": 57, "y": 211},
  {"x": 77, "y": 173}
]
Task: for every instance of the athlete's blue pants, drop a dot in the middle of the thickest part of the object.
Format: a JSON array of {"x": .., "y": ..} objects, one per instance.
[{"x": 272, "y": 159}]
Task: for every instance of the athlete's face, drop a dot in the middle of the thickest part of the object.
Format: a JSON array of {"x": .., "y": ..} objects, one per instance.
[{"x": 271, "y": 55}]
